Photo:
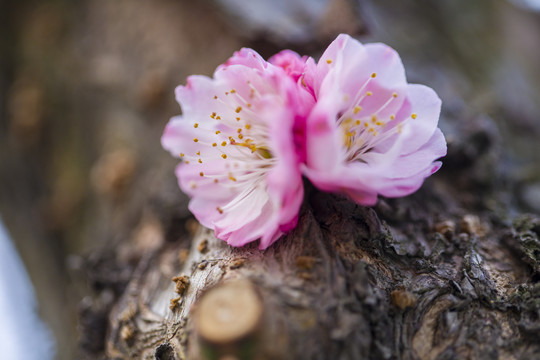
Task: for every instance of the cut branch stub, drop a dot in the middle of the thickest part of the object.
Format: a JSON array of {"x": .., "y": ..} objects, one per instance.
[
  {"x": 228, "y": 312},
  {"x": 228, "y": 318}
]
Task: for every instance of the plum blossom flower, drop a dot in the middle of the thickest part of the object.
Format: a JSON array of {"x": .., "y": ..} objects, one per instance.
[
  {"x": 370, "y": 132},
  {"x": 235, "y": 136}
]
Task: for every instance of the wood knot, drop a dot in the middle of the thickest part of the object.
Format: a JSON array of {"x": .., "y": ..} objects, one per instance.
[
  {"x": 403, "y": 299},
  {"x": 471, "y": 224},
  {"x": 237, "y": 263},
  {"x": 182, "y": 283},
  {"x": 446, "y": 228},
  {"x": 203, "y": 246},
  {"x": 305, "y": 262}
]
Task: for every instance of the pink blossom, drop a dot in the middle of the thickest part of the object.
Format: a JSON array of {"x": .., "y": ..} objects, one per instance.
[
  {"x": 370, "y": 132},
  {"x": 240, "y": 166}
]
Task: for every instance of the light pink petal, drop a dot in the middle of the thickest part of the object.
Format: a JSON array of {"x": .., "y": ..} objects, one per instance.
[
  {"x": 245, "y": 57},
  {"x": 426, "y": 105},
  {"x": 415, "y": 162},
  {"x": 240, "y": 213},
  {"x": 386, "y": 63}
]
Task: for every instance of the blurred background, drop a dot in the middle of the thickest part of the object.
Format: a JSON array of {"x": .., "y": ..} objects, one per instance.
[{"x": 86, "y": 88}]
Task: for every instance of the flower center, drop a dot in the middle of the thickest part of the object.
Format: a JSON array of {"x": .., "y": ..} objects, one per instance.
[
  {"x": 362, "y": 130},
  {"x": 233, "y": 144}
]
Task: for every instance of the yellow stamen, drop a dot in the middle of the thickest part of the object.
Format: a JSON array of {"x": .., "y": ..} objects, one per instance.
[
  {"x": 238, "y": 109},
  {"x": 224, "y": 156},
  {"x": 414, "y": 116},
  {"x": 195, "y": 140}
]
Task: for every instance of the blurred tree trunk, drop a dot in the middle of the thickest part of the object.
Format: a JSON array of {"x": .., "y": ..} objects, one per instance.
[{"x": 449, "y": 272}]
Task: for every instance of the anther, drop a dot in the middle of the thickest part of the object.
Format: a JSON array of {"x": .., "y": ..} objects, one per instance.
[
  {"x": 233, "y": 91},
  {"x": 198, "y": 153},
  {"x": 214, "y": 144},
  {"x": 195, "y": 140},
  {"x": 224, "y": 156},
  {"x": 328, "y": 61},
  {"x": 218, "y": 132},
  {"x": 413, "y": 115},
  {"x": 224, "y": 143},
  {"x": 357, "y": 109},
  {"x": 196, "y": 125},
  {"x": 201, "y": 174},
  {"x": 248, "y": 126},
  {"x": 374, "y": 75},
  {"x": 369, "y": 93},
  {"x": 213, "y": 116},
  {"x": 392, "y": 117},
  {"x": 181, "y": 154},
  {"x": 219, "y": 210},
  {"x": 394, "y": 95},
  {"x": 238, "y": 109},
  {"x": 200, "y": 161}
]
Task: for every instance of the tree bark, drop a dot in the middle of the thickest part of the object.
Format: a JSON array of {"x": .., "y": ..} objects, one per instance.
[
  {"x": 450, "y": 272},
  {"x": 413, "y": 278}
]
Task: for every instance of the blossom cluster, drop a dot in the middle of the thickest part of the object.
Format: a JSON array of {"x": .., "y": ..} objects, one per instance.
[{"x": 350, "y": 123}]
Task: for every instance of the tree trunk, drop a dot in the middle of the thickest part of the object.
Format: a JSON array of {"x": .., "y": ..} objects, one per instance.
[
  {"x": 414, "y": 278},
  {"x": 450, "y": 272}
]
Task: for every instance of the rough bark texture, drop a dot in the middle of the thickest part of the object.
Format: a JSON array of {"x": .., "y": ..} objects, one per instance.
[
  {"x": 409, "y": 279},
  {"x": 451, "y": 272}
]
